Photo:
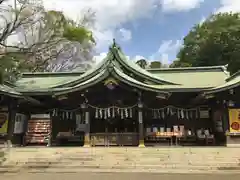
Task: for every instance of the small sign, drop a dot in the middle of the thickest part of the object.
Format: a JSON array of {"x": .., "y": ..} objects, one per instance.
[
  {"x": 40, "y": 116},
  {"x": 204, "y": 114}
]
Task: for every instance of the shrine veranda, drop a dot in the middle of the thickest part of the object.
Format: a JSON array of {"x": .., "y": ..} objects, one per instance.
[{"x": 117, "y": 103}]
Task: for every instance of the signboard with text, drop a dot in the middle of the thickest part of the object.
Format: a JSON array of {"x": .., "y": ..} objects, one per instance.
[{"x": 234, "y": 120}]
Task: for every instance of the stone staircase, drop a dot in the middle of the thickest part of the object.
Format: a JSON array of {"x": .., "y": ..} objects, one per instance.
[{"x": 169, "y": 159}]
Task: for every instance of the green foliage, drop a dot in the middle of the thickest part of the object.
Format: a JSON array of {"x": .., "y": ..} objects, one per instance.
[
  {"x": 177, "y": 64},
  {"x": 12, "y": 65},
  {"x": 142, "y": 63},
  {"x": 45, "y": 37},
  {"x": 214, "y": 42},
  {"x": 155, "y": 64},
  {"x": 78, "y": 34}
]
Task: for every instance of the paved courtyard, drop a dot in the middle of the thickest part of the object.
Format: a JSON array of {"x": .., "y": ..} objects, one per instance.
[{"x": 117, "y": 176}]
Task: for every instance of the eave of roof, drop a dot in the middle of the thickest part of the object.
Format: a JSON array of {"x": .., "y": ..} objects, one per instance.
[
  {"x": 6, "y": 90},
  {"x": 47, "y": 74},
  {"x": 114, "y": 72},
  {"x": 203, "y": 68},
  {"x": 12, "y": 92},
  {"x": 231, "y": 82}
]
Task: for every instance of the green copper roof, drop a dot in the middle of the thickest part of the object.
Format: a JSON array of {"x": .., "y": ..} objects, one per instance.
[
  {"x": 231, "y": 82},
  {"x": 134, "y": 68},
  {"x": 62, "y": 80},
  {"x": 194, "y": 77},
  {"x": 157, "y": 80},
  {"x": 115, "y": 73},
  {"x": 6, "y": 90}
]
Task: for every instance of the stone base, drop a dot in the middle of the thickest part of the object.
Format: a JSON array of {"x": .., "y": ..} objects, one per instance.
[
  {"x": 141, "y": 143},
  {"x": 233, "y": 141},
  {"x": 86, "y": 145},
  {"x": 9, "y": 144},
  {"x": 87, "y": 140},
  {"x": 233, "y": 145}
]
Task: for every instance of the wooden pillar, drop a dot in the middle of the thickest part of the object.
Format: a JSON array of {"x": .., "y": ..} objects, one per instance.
[
  {"x": 140, "y": 125},
  {"x": 12, "y": 110},
  {"x": 87, "y": 128}
]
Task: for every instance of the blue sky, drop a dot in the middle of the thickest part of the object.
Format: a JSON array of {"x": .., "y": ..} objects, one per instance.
[
  {"x": 148, "y": 34},
  {"x": 150, "y": 29}
]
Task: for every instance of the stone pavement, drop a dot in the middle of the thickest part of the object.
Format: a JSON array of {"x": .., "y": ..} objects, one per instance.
[
  {"x": 120, "y": 159},
  {"x": 118, "y": 176}
]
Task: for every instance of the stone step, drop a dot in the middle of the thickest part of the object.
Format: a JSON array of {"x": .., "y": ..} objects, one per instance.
[
  {"x": 123, "y": 163},
  {"x": 107, "y": 157},
  {"x": 139, "y": 168},
  {"x": 128, "y": 156},
  {"x": 229, "y": 154}
]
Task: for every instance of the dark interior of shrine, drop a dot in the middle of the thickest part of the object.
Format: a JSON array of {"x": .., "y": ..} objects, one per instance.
[{"x": 112, "y": 108}]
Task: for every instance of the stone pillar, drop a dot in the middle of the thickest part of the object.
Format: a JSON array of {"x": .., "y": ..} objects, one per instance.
[
  {"x": 140, "y": 125},
  {"x": 87, "y": 123},
  {"x": 49, "y": 143},
  {"x": 12, "y": 110}
]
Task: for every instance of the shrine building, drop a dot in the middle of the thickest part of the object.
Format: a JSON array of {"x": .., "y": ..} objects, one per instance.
[{"x": 117, "y": 103}]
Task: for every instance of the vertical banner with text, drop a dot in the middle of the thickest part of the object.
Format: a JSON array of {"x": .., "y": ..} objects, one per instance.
[
  {"x": 3, "y": 123},
  {"x": 234, "y": 120}
]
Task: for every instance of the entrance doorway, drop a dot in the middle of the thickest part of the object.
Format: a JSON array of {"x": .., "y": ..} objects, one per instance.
[{"x": 117, "y": 129}]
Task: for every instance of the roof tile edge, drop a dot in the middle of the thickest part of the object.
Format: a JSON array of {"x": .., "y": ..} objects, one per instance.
[{"x": 222, "y": 68}]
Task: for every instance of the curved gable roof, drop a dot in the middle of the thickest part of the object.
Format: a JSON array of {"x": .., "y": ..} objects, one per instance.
[{"x": 115, "y": 58}]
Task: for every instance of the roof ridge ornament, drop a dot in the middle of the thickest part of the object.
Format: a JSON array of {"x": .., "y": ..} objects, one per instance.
[
  {"x": 114, "y": 42},
  {"x": 115, "y": 45}
]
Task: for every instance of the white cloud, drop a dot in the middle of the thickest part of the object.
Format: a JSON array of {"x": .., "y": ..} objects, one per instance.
[
  {"x": 111, "y": 14},
  {"x": 166, "y": 51},
  {"x": 125, "y": 34},
  {"x": 229, "y": 6},
  {"x": 99, "y": 57},
  {"x": 138, "y": 57},
  {"x": 180, "y": 5}
]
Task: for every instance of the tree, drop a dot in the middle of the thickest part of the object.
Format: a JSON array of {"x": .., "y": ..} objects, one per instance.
[
  {"x": 142, "y": 63},
  {"x": 155, "y": 64},
  {"x": 69, "y": 46},
  {"x": 177, "y": 63},
  {"x": 214, "y": 42},
  {"x": 48, "y": 41}
]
